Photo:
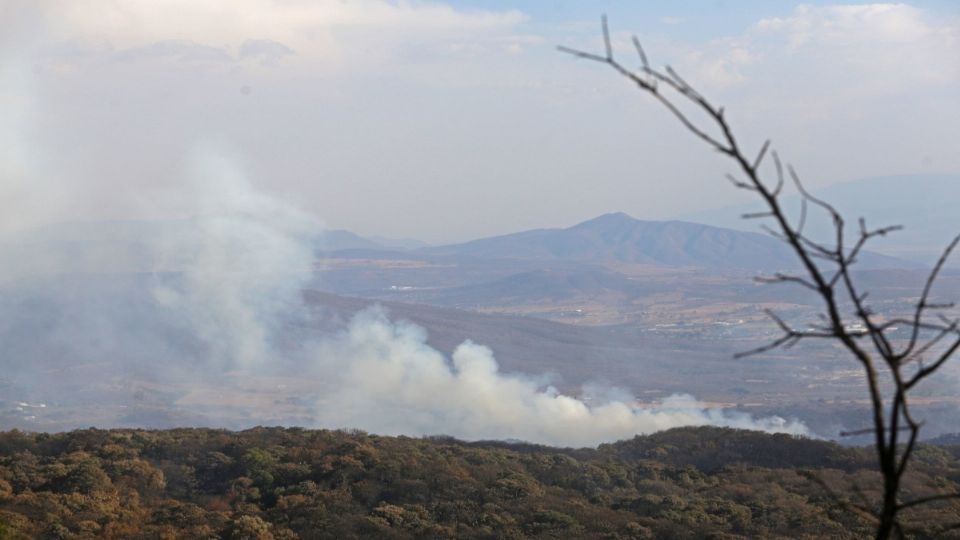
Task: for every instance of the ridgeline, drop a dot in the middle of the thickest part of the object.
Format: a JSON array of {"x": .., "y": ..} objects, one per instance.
[{"x": 294, "y": 483}]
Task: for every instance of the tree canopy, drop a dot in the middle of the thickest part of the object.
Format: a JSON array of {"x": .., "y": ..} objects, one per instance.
[{"x": 295, "y": 483}]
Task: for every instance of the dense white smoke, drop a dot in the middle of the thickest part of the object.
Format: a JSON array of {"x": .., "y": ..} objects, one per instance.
[
  {"x": 233, "y": 280},
  {"x": 244, "y": 261},
  {"x": 243, "y": 267},
  {"x": 389, "y": 381}
]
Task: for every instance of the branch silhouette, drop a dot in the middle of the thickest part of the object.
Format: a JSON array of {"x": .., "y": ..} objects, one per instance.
[{"x": 891, "y": 369}]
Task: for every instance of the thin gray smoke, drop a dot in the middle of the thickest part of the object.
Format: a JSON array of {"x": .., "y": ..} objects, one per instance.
[
  {"x": 244, "y": 264},
  {"x": 382, "y": 376},
  {"x": 229, "y": 282}
]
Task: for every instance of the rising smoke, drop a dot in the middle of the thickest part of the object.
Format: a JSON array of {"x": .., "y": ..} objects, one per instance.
[
  {"x": 215, "y": 294},
  {"x": 390, "y": 381},
  {"x": 230, "y": 281},
  {"x": 202, "y": 297},
  {"x": 244, "y": 262},
  {"x": 242, "y": 281}
]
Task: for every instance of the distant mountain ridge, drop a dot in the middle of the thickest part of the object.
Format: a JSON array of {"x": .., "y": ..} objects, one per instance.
[
  {"x": 138, "y": 246},
  {"x": 121, "y": 246},
  {"x": 341, "y": 239},
  {"x": 618, "y": 237},
  {"x": 925, "y": 204}
]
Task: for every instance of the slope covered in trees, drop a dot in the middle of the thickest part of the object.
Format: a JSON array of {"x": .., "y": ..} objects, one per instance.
[{"x": 294, "y": 483}]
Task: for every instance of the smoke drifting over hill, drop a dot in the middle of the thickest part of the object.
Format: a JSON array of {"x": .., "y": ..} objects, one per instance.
[
  {"x": 233, "y": 281},
  {"x": 244, "y": 264},
  {"x": 213, "y": 295},
  {"x": 391, "y": 382}
]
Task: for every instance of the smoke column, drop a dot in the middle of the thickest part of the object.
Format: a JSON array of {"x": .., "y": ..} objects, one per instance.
[
  {"x": 390, "y": 381},
  {"x": 234, "y": 280},
  {"x": 244, "y": 261}
]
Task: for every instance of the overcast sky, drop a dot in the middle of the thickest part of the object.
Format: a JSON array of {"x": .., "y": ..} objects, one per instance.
[{"x": 449, "y": 121}]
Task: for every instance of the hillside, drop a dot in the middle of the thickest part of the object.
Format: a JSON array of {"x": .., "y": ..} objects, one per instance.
[
  {"x": 620, "y": 238},
  {"x": 267, "y": 483},
  {"x": 170, "y": 246},
  {"x": 111, "y": 356}
]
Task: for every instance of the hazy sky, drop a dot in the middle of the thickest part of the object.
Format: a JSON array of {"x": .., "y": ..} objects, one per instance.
[{"x": 447, "y": 121}]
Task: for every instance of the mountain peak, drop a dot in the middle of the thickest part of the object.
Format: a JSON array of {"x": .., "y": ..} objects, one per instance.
[
  {"x": 613, "y": 219},
  {"x": 619, "y": 237}
]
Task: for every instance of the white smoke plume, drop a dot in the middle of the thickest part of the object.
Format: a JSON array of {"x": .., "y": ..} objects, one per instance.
[
  {"x": 244, "y": 266},
  {"x": 238, "y": 270},
  {"x": 245, "y": 260},
  {"x": 389, "y": 381}
]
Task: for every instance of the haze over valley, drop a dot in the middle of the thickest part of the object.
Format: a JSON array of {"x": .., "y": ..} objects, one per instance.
[
  {"x": 280, "y": 269},
  {"x": 193, "y": 322},
  {"x": 420, "y": 218}
]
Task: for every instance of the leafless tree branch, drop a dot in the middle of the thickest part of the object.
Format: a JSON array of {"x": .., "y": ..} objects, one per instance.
[{"x": 828, "y": 274}]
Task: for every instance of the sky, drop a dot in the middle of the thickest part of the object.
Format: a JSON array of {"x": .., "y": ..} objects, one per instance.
[{"x": 451, "y": 121}]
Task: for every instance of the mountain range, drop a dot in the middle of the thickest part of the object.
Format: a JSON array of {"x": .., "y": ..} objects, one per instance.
[
  {"x": 649, "y": 305},
  {"x": 618, "y": 237}
]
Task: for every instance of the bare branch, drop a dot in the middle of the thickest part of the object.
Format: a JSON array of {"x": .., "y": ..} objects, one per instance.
[
  {"x": 756, "y": 215},
  {"x": 927, "y": 287},
  {"x": 581, "y": 54},
  {"x": 833, "y": 290},
  {"x": 777, "y": 343},
  {"x": 784, "y": 278},
  {"x": 641, "y": 54},
  {"x": 739, "y": 184},
  {"x": 930, "y": 499},
  {"x": 929, "y": 370},
  {"x": 789, "y": 338},
  {"x": 932, "y": 342},
  {"x": 779, "y": 236},
  {"x": 759, "y": 159},
  {"x": 606, "y": 38}
]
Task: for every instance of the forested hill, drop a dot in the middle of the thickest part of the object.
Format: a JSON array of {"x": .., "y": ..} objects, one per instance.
[{"x": 293, "y": 483}]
